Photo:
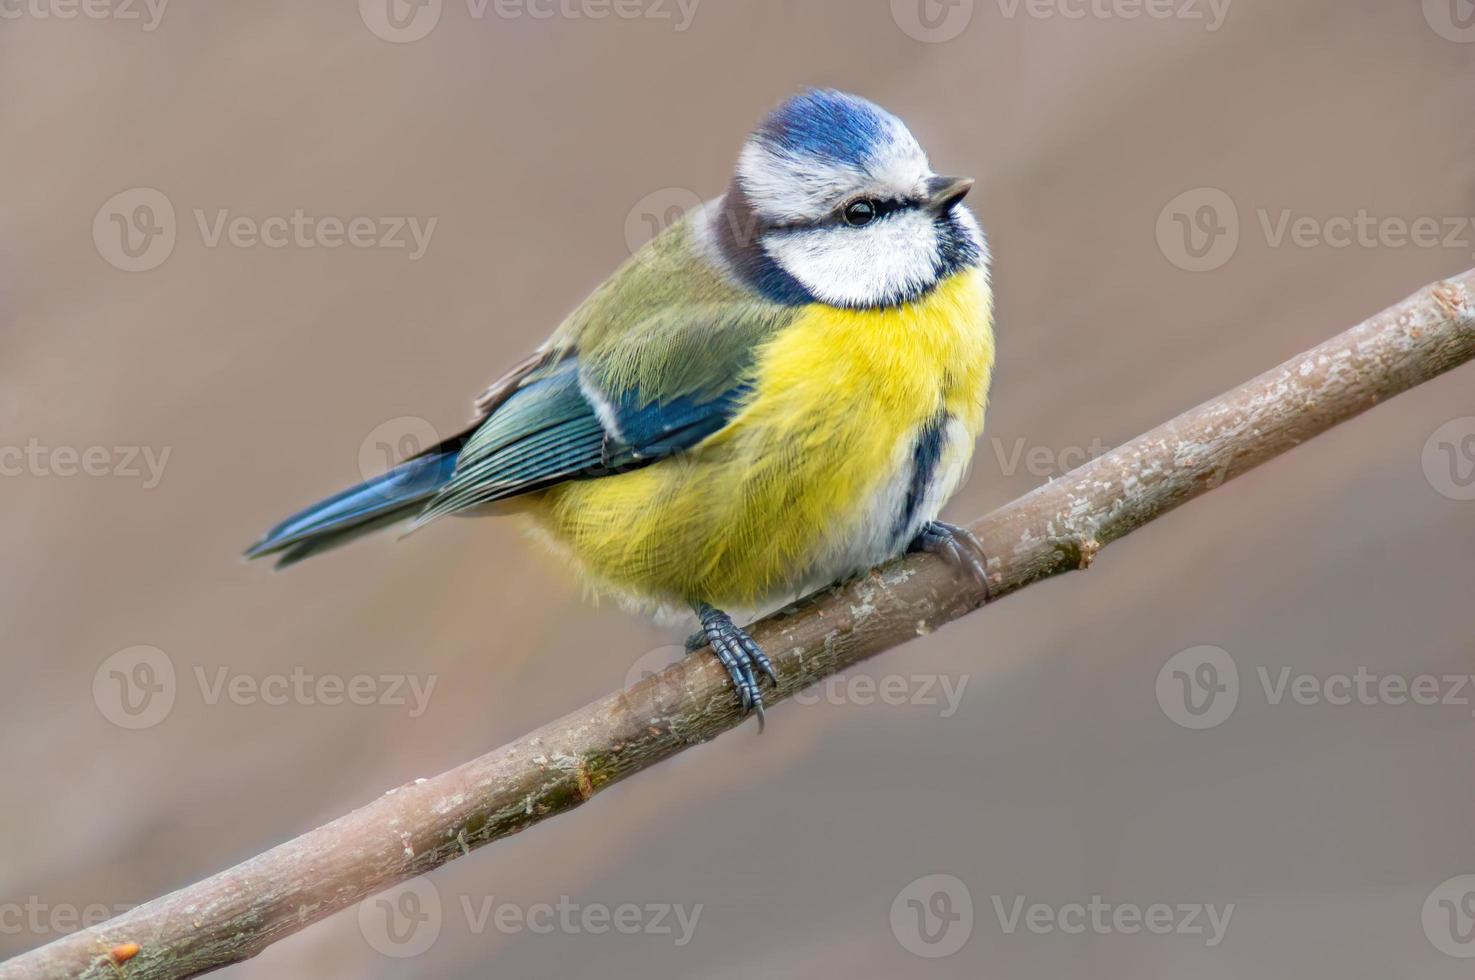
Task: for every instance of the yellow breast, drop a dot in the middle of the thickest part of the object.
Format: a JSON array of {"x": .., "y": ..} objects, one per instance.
[{"x": 809, "y": 463}]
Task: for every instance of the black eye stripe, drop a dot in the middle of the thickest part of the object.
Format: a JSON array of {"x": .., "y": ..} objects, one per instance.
[{"x": 880, "y": 208}]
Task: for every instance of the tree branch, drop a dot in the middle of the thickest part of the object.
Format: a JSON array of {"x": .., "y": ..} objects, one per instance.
[{"x": 1058, "y": 527}]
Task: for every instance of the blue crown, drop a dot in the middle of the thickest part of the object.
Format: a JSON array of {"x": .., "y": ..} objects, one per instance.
[{"x": 829, "y": 124}]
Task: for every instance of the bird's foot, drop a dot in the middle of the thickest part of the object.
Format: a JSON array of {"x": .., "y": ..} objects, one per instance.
[
  {"x": 957, "y": 546},
  {"x": 738, "y": 652}
]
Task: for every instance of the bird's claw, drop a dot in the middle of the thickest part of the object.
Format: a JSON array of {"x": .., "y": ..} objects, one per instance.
[
  {"x": 739, "y": 654},
  {"x": 957, "y": 546}
]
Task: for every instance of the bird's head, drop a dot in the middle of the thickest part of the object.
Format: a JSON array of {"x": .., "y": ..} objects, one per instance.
[{"x": 833, "y": 200}]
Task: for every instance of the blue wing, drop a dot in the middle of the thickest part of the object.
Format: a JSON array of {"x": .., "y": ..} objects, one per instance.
[
  {"x": 550, "y": 431},
  {"x": 652, "y": 363}
]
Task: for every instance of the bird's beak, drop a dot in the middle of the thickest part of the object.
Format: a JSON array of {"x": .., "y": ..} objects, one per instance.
[{"x": 945, "y": 192}]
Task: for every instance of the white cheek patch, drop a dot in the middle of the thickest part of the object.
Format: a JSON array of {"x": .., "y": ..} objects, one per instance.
[{"x": 869, "y": 266}]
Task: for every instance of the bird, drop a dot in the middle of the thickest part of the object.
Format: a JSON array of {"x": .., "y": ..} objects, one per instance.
[{"x": 777, "y": 392}]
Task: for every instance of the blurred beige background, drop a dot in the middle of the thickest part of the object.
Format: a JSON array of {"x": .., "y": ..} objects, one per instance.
[{"x": 541, "y": 148}]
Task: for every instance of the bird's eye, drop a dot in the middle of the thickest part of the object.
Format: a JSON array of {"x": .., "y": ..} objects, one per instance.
[{"x": 859, "y": 213}]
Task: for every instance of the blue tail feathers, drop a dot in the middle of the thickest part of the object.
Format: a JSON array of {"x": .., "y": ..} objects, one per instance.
[{"x": 384, "y": 500}]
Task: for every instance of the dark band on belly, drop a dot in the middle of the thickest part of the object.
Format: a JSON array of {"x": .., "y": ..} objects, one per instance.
[{"x": 926, "y": 454}]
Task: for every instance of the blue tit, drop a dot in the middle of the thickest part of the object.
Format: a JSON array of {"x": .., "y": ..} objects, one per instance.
[{"x": 778, "y": 392}]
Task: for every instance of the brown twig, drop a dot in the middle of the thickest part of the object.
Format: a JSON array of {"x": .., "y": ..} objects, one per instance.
[{"x": 1060, "y": 526}]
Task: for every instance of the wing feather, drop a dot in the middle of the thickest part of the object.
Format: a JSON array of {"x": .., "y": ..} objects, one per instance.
[{"x": 657, "y": 360}]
